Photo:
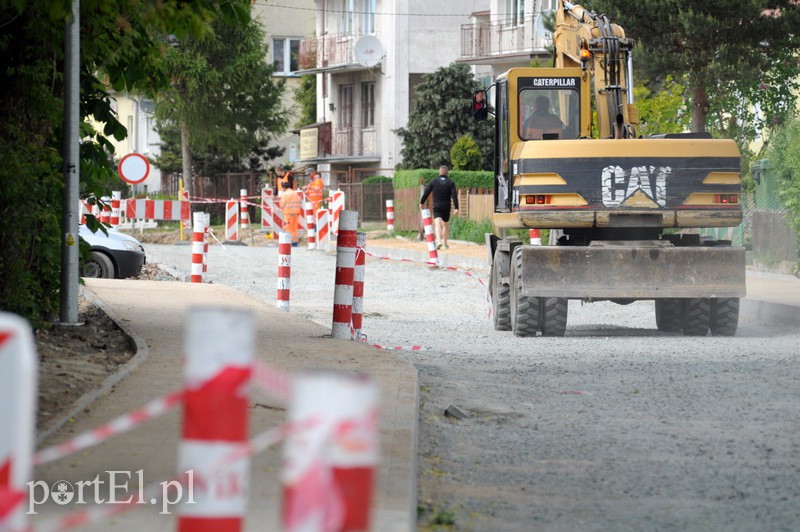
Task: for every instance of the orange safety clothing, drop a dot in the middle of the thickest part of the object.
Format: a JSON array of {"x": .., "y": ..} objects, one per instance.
[
  {"x": 314, "y": 191},
  {"x": 291, "y": 206}
]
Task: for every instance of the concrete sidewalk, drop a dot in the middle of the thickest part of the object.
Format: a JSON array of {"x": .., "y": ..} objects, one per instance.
[{"x": 154, "y": 313}]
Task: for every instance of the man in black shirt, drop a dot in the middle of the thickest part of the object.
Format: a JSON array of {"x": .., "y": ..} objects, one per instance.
[{"x": 443, "y": 190}]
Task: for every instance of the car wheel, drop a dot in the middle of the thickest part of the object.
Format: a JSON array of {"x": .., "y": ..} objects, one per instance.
[{"x": 99, "y": 266}]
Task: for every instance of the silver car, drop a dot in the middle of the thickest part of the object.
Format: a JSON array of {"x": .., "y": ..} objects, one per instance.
[{"x": 112, "y": 256}]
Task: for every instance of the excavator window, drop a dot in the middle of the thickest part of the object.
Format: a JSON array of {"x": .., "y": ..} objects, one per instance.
[{"x": 548, "y": 113}]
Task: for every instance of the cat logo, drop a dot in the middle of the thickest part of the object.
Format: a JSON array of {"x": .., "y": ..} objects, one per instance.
[{"x": 641, "y": 186}]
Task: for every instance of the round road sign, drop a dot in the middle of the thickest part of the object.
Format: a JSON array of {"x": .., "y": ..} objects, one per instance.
[{"x": 134, "y": 168}]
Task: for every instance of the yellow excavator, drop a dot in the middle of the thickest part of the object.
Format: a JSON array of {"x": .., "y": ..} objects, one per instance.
[{"x": 618, "y": 202}]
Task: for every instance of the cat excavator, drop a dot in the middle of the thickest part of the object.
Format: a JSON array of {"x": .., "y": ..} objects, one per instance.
[{"x": 623, "y": 206}]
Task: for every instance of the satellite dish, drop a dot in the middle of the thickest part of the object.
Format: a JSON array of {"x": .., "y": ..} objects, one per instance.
[
  {"x": 368, "y": 51},
  {"x": 147, "y": 106},
  {"x": 540, "y": 30}
]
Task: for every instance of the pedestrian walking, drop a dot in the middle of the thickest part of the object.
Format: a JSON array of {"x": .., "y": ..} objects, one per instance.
[
  {"x": 292, "y": 207},
  {"x": 443, "y": 189}
]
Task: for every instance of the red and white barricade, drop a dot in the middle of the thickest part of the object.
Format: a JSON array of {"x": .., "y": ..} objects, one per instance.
[
  {"x": 199, "y": 231},
  {"x": 328, "y": 475},
  {"x": 18, "y": 374},
  {"x": 84, "y": 207},
  {"x": 323, "y": 228},
  {"x": 535, "y": 236},
  {"x": 358, "y": 285},
  {"x": 284, "y": 269},
  {"x": 345, "y": 273},
  {"x": 218, "y": 369},
  {"x": 311, "y": 224},
  {"x": 231, "y": 220},
  {"x": 427, "y": 222},
  {"x": 105, "y": 213},
  {"x": 389, "y": 215},
  {"x": 336, "y": 206},
  {"x": 271, "y": 215},
  {"x": 116, "y": 197},
  {"x": 167, "y": 210},
  {"x": 244, "y": 217}
]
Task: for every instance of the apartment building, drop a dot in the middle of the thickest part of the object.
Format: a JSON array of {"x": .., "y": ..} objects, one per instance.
[{"x": 368, "y": 55}]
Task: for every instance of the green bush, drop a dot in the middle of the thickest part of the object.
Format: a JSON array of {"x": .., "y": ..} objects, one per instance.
[
  {"x": 462, "y": 178},
  {"x": 466, "y": 154},
  {"x": 376, "y": 179}
]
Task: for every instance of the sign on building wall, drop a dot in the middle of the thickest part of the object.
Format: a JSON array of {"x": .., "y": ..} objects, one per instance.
[{"x": 308, "y": 143}]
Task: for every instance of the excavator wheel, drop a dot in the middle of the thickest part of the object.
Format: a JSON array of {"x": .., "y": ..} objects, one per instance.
[
  {"x": 696, "y": 316},
  {"x": 724, "y": 316},
  {"x": 501, "y": 296},
  {"x": 668, "y": 315},
  {"x": 554, "y": 315},
  {"x": 524, "y": 310}
]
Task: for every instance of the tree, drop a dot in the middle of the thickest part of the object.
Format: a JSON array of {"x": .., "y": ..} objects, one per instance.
[
  {"x": 466, "y": 154},
  {"x": 223, "y": 99},
  {"x": 306, "y": 97},
  {"x": 784, "y": 156},
  {"x": 440, "y": 116}
]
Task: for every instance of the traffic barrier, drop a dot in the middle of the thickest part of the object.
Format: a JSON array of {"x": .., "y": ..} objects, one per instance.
[
  {"x": 345, "y": 266},
  {"x": 116, "y": 197},
  {"x": 323, "y": 228},
  {"x": 358, "y": 285},
  {"x": 244, "y": 217},
  {"x": 311, "y": 234},
  {"x": 105, "y": 212},
  {"x": 271, "y": 217},
  {"x": 328, "y": 475},
  {"x": 427, "y": 223},
  {"x": 336, "y": 206},
  {"x": 167, "y": 210},
  {"x": 284, "y": 269},
  {"x": 18, "y": 371},
  {"x": 535, "y": 236},
  {"x": 389, "y": 215},
  {"x": 219, "y": 359},
  {"x": 231, "y": 220},
  {"x": 198, "y": 247}
]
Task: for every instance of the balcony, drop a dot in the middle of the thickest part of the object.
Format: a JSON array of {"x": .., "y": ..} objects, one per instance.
[
  {"x": 330, "y": 52},
  {"x": 326, "y": 141},
  {"x": 487, "y": 43}
]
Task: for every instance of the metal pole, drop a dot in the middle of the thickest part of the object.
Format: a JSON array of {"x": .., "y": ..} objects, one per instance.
[{"x": 69, "y": 203}]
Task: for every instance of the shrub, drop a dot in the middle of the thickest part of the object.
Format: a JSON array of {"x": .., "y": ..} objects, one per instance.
[{"x": 466, "y": 154}]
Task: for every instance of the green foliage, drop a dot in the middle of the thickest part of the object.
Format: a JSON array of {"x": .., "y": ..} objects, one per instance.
[
  {"x": 440, "y": 116},
  {"x": 466, "y": 154},
  {"x": 468, "y": 230},
  {"x": 462, "y": 178},
  {"x": 784, "y": 156},
  {"x": 376, "y": 179},
  {"x": 662, "y": 108},
  {"x": 306, "y": 98}
]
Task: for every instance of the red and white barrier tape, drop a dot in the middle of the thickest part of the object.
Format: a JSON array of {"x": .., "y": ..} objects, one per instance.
[{"x": 429, "y": 263}]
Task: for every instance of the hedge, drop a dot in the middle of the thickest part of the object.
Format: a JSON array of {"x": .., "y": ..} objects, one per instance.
[{"x": 462, "y": 178}]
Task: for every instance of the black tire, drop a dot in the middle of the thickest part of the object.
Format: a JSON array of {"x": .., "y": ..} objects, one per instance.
[
  {"x": 99, "y": 266},
  {"x": 696, "y": 316},
  {"x": 554, "y": 315},
  {"x": 501, "y": 296},
  {"x": 668, "y": 315},
  {"x": 724, "y": 316},
  {"x": 524, "y": 310}
]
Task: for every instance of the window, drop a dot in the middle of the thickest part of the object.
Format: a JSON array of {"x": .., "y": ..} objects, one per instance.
[
  {"x": 515, "y": 12},
  {"x": 549, "y": 108},
  {"x": 285, "y": 51},
  {"x": 345, "y": 106},
  {"x": 368, "y": 104},
  {"x": 368, "y": 17},
  {"x": 347, "y": 16}
]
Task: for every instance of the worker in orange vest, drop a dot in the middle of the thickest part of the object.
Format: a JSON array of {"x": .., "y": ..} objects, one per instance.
[
  {"x": 314, "y": 190},
  {"x": 292, "y": 207},
  {"x": 284, "y": 177}
]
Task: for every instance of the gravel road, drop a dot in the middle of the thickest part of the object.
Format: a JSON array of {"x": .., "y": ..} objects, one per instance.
[{"x": 613, "y": 427}]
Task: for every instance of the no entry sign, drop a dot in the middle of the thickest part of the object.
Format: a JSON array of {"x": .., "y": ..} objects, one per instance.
[{"x": 134, "y": 168}]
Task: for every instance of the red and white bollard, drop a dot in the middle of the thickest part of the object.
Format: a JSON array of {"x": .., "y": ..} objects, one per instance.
[
  {"x": 198, "y": 247},
  {"x": 105, "y": 214},
  {"x": 232, "y": 220},
  {"x": 389, "y": 215},
  {"x": 218, "y": 368},
  {"x": 18, "y": 393},
  {"x": 284, "y": 269},
  {"x": 329, "y": 467},
  {"x": 311, "y": 230},
  {"x": 336, "y": 206},
  {"x": 536, "y": 237},
  {"x": 245, "y": 211},
  {"x": 430, "y": 238},
  {"x": 345, "y": 272},
  {"x": 323, "y": 228},
  {"x": 358, "y": 285},
  {"x": 116, "y": 197}
]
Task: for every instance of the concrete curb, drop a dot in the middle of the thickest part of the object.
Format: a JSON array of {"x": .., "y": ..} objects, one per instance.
[{"x": 141, "y": 354}]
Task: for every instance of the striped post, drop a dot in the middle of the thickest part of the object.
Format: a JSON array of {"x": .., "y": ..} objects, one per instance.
[
  {"x": 336, "y": 205},
  {"x": 311, "y": 231},
  {"x": 116, "y": 197},
  {"x": 358, "y": 284},
  {"x": 206, "y": 231},
  {"x": 535, "y": 236},
  {"x": 389, "y": 215},
  {"x": 323, "y": 228},
  {"x": 345, "y": 266},
  {"x": 18, "y": 374},
  {"x": 284, "y": 269},
  {"x": 105, "y": 214},
  {"x": 328, "y": 475},
  {"x": 232, "y": 220},
  {"x": 219, "y": 361},
  {"x": 198, "y": 239},
  {"x": 245, "y": 211},
  {"x": 266, "y": 210},
  {"x": 427, "y": 222}
]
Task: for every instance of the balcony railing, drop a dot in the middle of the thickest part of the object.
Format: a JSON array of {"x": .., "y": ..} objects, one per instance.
[
  {"x": 486, "y": 40},
  {"x": 328, "y": 51},
  {"x": 332, "y": 140}
]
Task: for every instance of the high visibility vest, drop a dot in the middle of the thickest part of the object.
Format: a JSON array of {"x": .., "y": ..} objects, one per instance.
[
  {"x": 290, "y": 202},
  {"x": 315, "y": 189},
  {"x": 285, "y": 179}
]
